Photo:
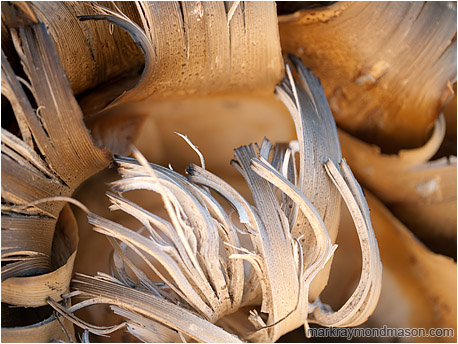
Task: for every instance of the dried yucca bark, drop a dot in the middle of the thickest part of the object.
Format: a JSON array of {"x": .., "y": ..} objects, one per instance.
[
  {"x": 150, "y": 330},
  {"x": 24, "y": 162},
  {"x": 190, "y": 47},
  {"x": 197, "y": 254},
  {"x": 31, "y": 166},
  {"x": 50, "y": 155},
  {"x": 53, "y": 157},
  {"x": 239, "y": 38}
]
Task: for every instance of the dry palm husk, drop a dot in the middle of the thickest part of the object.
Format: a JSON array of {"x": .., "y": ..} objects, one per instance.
[
  {"x": 196, "y": 253},
  {"x": 387, "y": 67}
]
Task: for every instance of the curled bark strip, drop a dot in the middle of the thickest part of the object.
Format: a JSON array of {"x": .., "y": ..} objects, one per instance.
[{"x": 387, "y": 67}]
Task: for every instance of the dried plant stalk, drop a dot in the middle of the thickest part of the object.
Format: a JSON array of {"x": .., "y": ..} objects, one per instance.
[{"x": 318, "y": 144}]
